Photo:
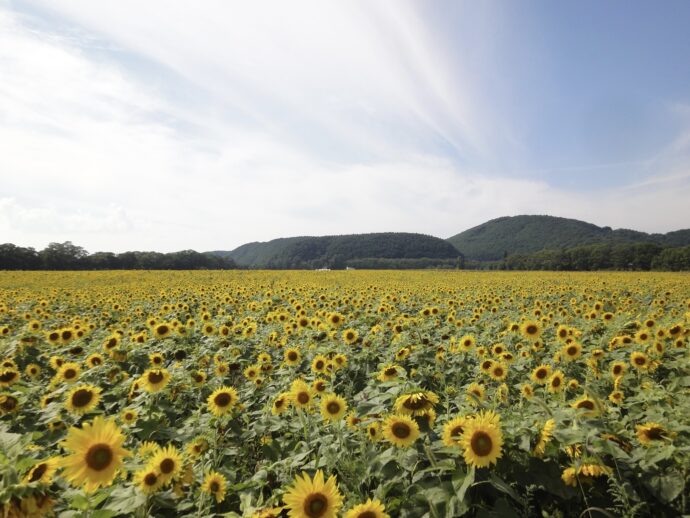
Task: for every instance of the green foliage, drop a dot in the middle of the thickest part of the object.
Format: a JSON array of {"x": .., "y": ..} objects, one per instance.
[
  {"x": 495, "y": 239},
  {"x": 337, "y": 252}
]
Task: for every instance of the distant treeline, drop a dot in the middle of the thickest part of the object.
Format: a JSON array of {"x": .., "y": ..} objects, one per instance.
[
  {"x": 631, "y": 256},
  {"x": 67, "y": 256}
]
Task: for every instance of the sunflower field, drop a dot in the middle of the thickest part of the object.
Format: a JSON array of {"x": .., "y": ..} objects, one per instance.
[{"x": 353, "y": 393}]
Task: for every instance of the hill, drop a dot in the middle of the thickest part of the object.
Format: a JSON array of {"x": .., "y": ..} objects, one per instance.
[
  {"x": 490, "y": 241},
  {"x": 341, "y": 251}
]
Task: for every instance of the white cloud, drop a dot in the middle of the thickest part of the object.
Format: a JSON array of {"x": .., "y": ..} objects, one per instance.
[{"x": 253, "y": 121}]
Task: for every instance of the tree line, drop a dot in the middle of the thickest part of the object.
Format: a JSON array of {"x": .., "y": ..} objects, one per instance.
[
  {"x": 67, "y": 256},
  {"x": 625, "y": 256}
]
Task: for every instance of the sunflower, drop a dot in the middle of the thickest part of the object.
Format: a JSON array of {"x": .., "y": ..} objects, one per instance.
[
  {"x": 452, "y": 431},
  {"x": 333, "y": 407},
  {"x": 96, "y": 454},
  {"x": 339, "y": 361},
  {"x": 616, "y": 397},
  {"x": 94, "y": 360},
  {"x": 32, "y": 370},
  {"x": 400, "y": 430},
  {"x": 280, "y": 403},
  {"x": 639, "y": 360},
  {"x": 498, "y": 371},
  {"x": 129, "y": 416},
  {"x": 374, "y": 431},
  {"x": 215, "y": 484},
  {"x": 42, "y": 472},
  {"x": 148, "y": 480},
  {"x": 583, "y": 473},
  {"x": 156, "y": 359},
  {"x": 482, "y": 440},
  {"x": 540, "y": 374},
  {"x": 319, "y": 386},
  {"x": 8, "y": 404},
  {"x": 544, "y": 438},
  {"x": 8, "y": 377},
  {"x": 617, "y": 369},
  {"x": 415, "y": 403},
  {"x": 388, "y": 372},
  {"x": 313, "y": 498},
  {"x": 335, "y": 319},
  {"x": 352, "y": 421},
  {"x": 531, "y": 329},
  {"x": 155, "y": 380},
  {"x": 222, "y": 401},
  {"x": 556, "y": 382},
  {"x": 527, "y": 391},
  {"x": 651, "y": 433},
  {"x": 197, "y": 447},
  {"x": 198, "y": 378},
  {"x": 350, "y": 336},
  {"x": 318, "y": 364},
  {"x": 588, "y": 406},
  {"x": 301, "y": 394},
  {"x": 571, "y": 351},
  {"x": 466, "y": 343},
  {"x": 292, "y": 356},
  {"x": 369, "y": 509},
  {"x": 475, "y": 393},
  {"x": 82, "y": 399},
  {"x": 168, "y": 462},
  {"x": 68, "y": 372},
  {"x": 162, "y": 330}
]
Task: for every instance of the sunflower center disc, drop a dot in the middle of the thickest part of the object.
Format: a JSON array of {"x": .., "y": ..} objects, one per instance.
[
  {"x": 456, "y": 431},
  {"x": 303, "y": 398},
  {"x": 81, "y": 398},
  {"x": 150, "y": 479},
  {"x": 367, "y": 514},
  {"x": 333, "y": 407},
  {"x": 654, "y": 434},
  {"x": 215, "y": 487},
  {"x": 315, "y": 505},
  {"x": 99, "y": 457},
  {"x": 481, "y": 444},
  {"x": 167, "y": 466},
  {"x": 222, "y": 399},
  {"x": 401, "y": 430},
  {"x": 155, "y": 377},
  {"x": 586, "y": 404},
  {"x": 38, "y": 472}
]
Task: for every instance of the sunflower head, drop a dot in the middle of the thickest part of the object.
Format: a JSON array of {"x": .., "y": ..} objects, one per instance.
[
  {"x": 482, "y": 440},
  {"x": 313, "y": 498},
  {"x": 96, "y": 454},
  {"x": 400, "y": 430},
  {"x": 222, "y": 401}
]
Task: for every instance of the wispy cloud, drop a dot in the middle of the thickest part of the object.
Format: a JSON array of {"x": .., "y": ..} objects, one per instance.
[{"x": 209, "y": 127}]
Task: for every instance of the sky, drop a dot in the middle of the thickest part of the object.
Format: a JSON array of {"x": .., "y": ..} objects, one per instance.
[{"x": 169, "y": 125}]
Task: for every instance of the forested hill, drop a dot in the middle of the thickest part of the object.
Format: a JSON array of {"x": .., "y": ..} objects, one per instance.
[
  {"x": 360, "y": 250},
  {"x": 494, "y": 239}
]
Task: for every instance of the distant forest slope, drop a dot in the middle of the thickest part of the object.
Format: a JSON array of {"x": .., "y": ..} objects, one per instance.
[
  {"x": 336, "y": 251},
  {"x": 258, "y": 254},
  {"x": 493, "y": 240}
]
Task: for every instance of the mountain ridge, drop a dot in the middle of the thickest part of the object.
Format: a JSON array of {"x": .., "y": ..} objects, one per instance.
[{"x": 490, "y": 241}]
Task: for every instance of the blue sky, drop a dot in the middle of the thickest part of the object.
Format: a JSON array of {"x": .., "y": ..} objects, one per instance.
[{"x": 167, "y": 125}]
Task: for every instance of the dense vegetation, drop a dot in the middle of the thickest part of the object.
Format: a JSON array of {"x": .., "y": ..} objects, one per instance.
[
  {"x": 339, "y": 251},
  {"x": 67, "y": 256},
  {"x": 635, "y": 256},
  {"x": 129, "y": 394},
  {"x": 498, "y": 238}
]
